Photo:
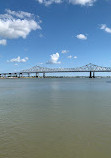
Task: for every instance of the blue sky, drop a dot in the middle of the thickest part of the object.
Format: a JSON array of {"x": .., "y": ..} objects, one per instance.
[{"x": 54, "y": 33}]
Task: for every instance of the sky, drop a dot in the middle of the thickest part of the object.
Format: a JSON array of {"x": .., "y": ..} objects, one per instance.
[{"x": 54, "y": 33}]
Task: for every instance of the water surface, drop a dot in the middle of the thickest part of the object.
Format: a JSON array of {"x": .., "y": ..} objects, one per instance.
[{"x": 55, "y": 118}]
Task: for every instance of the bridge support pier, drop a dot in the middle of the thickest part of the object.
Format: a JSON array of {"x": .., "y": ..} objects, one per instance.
[
  {"x": 15, "y": 74},
  {"x": 37, "y": 75},
  {"x": 44, "y": 75},
  {"x": 93, "y": 74},
  {"x": 20, "y": 75},
  {"x": 28, "y": 74},
  {"x": 5, "y": 75},
  {"x": 90, "y": 76},
  {"x": 10, "y": 75}
]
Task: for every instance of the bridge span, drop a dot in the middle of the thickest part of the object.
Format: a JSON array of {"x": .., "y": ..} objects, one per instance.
[{"x": 91, "y": 68}]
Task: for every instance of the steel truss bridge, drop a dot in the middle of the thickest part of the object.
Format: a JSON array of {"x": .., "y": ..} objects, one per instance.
[{"x": 91, "y": 68}]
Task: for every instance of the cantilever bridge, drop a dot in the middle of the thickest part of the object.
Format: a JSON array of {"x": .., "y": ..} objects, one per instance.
[{"x": 91, "y": 68}]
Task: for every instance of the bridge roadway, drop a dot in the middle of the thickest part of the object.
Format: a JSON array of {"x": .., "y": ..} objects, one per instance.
[{"x": 91, "y": 68}]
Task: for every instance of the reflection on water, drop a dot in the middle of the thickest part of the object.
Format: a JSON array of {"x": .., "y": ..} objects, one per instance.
[{"x": 55, "y": 118}]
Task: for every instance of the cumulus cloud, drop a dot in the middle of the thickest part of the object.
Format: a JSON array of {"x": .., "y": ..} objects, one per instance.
[
  {"x": 64, "y": 51},
  {"x": 49, "y": 2},
  {"x": 69, "y": 57},
  {"x": 75, "y": 57},
  {"x": 18, "y": 60},
  {"x": 105, "y": 28},
  {"x": 19, "y": 14},
  {"x": 3, "y": 42},
  {"x": 54, "y": 59},
  {"x": 82, "y": 2},
  {"x": 74, "y": 2},
  {"x": 17, "y": 24},
  {"x": 82, "y": 37}
]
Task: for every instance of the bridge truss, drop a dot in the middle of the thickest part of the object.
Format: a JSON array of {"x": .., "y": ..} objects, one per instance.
[
  {"x": 92, "y": 68},
  {"x": 87, "y": 68}
]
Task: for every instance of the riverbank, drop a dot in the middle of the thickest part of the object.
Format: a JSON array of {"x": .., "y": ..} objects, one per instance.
[{"x": 53, "y": 77}]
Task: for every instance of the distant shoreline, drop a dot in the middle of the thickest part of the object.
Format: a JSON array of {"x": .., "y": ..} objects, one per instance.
[{"x": 40, "y": 77}]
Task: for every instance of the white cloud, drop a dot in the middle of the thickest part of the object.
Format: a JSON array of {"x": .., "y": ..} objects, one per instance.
[
  {"x": 40, "y": 63},
  {"x": 105, "y": 28},
  {"x": 75, "y": 2},
  {"x": 12, "y": 27},
  {"x": 75, "y": 57},
  {"x": 18, "y": 60},
  {"x": 41, "y": 35},
  {"x": 70, "y": 56},
  {"x": 82, "y": 2},
  {"x": 54, "y": 59},
  {"x": 82, "y": 37},
  {"x": 19, "y": 14},
  {"x": 49, "y": 2},
  {"x": 65, "y": 51},
  {"x": 3, "y": 42}
]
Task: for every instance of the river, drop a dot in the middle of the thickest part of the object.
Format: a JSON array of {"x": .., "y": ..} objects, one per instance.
[{"x": 55, "y": 118}]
